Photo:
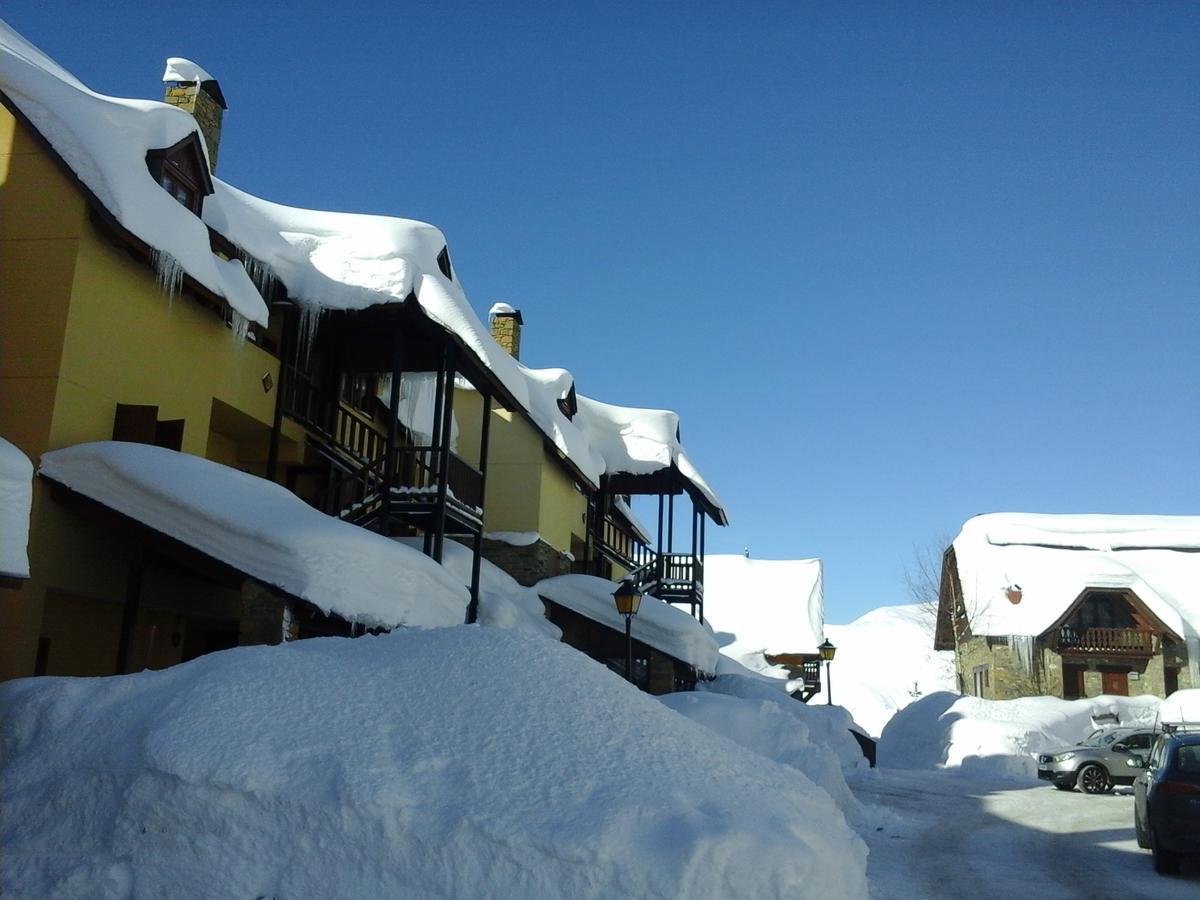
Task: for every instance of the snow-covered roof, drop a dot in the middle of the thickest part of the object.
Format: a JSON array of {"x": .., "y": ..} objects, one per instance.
[
  {"x": 262, "y": 529},
  {"x": 767, "y": 605},
  {"x": 104, "y": 140},
  {"x": 637, "y": 441},
  {"x": 1054, "y": 558},
  {"x": 326, "y": 260},
  {"x": 658, "y": 624},
  {"x": 16, "y": 500}
]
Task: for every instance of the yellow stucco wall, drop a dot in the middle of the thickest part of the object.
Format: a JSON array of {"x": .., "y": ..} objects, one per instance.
[
  {"x": 84, "y": 326},
  {"x": 527, "y": 488}
]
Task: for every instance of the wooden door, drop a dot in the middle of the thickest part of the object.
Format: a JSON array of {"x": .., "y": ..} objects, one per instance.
[
  {"x": 1116, "y": 683},
  {"x": 1073, "y": 681}
]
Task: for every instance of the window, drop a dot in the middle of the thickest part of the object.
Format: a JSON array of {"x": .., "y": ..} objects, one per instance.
[
  {"x": 182, "y": 172},
  {"x": 980, "y": 680},
  {"x": 443, "y": 261}
]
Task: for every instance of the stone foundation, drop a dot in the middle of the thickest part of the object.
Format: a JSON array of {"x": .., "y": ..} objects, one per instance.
[
  {"x": 529, "y": 564},
  {"x": 266, "y": 617}
]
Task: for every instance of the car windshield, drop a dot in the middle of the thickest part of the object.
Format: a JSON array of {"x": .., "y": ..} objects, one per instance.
[{"x": 1101, "y": 738}]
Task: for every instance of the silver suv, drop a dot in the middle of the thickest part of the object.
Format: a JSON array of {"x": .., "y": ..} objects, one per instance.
[{"x": 1103, "y": 759}]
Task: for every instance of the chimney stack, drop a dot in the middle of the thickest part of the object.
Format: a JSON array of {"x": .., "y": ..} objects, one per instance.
[
  {"x": 195, "y": 91},
  {"x": 506, "y": 328}
]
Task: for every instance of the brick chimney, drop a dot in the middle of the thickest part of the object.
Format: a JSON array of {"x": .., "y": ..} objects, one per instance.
[
  {"x": 195, "y": 91},
  {"x": 506, "y": 328}
]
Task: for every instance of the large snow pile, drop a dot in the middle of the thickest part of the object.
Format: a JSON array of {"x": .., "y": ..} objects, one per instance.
[
  {"x": 657, "y": 624},
  {"x": 816, "y": 741},
  {"x": 760, "y": 606},
  {"x": 459, "y": 762},
  {"x": 997, "y": 737},
  {"x": 885, "y": 660},
  {"x": 262, "y": 529},
  {"x": 1053, "y": 558},
  {"x": 1182, "y": 706},
  {"x": 16, "y": 500}
]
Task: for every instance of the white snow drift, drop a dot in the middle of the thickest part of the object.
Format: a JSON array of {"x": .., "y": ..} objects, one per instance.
[{"x": 459, "y": 762}]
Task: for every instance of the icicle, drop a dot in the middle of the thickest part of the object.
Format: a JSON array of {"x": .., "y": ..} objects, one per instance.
[
  {"x": 170, "y": 273},
  {"x": 261, "y": 274},
  {"x": 306, "y": 331},
  {"x": 240, "y": 325}
]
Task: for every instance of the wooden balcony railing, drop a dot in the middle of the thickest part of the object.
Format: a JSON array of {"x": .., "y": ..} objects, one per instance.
[
  {"x": 622, "y": 547},
  {"x": 1130, "y": 641}
]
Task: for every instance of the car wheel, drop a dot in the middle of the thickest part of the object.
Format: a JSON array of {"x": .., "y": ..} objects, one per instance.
[
  {"x": 1064, "y": 787},
  {"x": 1143, "y": 839},
  {"x": 1093, "y": 779},
  {"x": 1165, "y": 862}
]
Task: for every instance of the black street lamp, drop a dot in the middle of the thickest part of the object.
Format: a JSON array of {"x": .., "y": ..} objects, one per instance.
[
  {"x": 628, "y": 599},
  {"x": 827, "y": 650}
]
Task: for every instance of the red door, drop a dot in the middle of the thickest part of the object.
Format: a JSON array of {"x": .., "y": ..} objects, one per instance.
[{"x": 1116, "y": 683}]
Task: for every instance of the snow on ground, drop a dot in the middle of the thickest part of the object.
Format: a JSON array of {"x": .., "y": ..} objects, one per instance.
[
  {"x": 997, "y": 737},
  {"x": 937, "y": 836},
  {"x": 885, "y": 660},
  {"x": 816, "y": 741},
  {"x": 760, "y": 606},
  {"x": 262, "y": 529},
  {"x": 657, "y": 624},
  {"x": 457, "y": 762},
  {"x": 16, "y": 500}
]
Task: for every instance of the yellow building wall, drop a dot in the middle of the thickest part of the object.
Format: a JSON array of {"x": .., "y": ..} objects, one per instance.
[
  {"x": 527, "y": 488},
  {"x": 84, "y": 326}
]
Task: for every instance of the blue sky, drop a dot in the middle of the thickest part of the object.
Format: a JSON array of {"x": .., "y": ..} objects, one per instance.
[{"x": 893, "y": 264}]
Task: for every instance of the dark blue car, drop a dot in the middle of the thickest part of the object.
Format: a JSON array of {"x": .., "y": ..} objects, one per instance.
[{"x": 1166, "y": 812}]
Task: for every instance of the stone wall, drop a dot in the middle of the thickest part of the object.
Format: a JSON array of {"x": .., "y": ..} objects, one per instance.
[
  {"x": 266, "y": 616},
  {"x": 1007, "y": 678},
  {"x": 530, "y": 564}
]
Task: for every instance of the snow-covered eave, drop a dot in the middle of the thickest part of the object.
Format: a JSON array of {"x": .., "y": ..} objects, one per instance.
[
  {"x": 666, "y": 480},
  {"x": 104, "y": 217}
]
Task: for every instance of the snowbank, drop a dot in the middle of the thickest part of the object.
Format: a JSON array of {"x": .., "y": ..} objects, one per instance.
[
  {"x": 461, "y": 762},
  {"x": 657, "y": 624},
  {"x": 1181, "y": 706},
  {"x": 997, "y": 737},
  {"x": 885, "y": 660},
  {"x": 264, "y": 530},
  {"x": 760, "y": 606},
  {"x": 16, "y": 501}
]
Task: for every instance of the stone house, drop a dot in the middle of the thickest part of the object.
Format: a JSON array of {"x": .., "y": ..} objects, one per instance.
[{"x": 1072, "y": 605}]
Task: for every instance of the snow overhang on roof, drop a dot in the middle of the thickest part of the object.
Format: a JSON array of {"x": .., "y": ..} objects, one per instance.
[
  {"x": 104, "y": 142},
  {"x": 767, "y": 605},
  {"x": 657, "y": 624},
  {"x": 1055, "y": 558},
  {"x": 16, "y": 501},
  {"x": 637, "y": 442},
  {"x": 263, "y": 530}
]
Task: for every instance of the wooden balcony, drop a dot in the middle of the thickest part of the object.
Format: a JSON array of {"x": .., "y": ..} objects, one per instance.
[
  {"x": 1073, "y": 641},
  {"x": 619, "y": 545},
  {"x": 673, "y": 577}
]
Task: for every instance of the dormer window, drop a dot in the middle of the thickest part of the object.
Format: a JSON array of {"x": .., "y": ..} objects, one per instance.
[
  {"x": 182, "y": 172},
  {"x": 569, "y": 405},
  {"x": 443, "y": 261}
]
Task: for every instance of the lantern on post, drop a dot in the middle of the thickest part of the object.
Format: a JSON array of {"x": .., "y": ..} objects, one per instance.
[
  {"x": 827, "y": 650},
  {"x": 628, "y": 599}
]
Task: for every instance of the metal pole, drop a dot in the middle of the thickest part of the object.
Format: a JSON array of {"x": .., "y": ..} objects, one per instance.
[
  {"x": 828, "y": 683},
  {"x": 629, "y": 647}
]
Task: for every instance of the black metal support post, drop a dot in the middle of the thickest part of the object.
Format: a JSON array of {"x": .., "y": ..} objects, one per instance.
[
  {"x": 629, "y": 647},
  {"x": 828, "y": 683},
  {"x": 129, "y": 615},
  {"x": 389, "y": 461},
  {"x": 281, "y": 389},
  {"x": 476, "y": 560},
  {"x": 439, "y": 513}
]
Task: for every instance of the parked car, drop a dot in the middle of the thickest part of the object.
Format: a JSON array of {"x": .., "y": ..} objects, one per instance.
[
  {"x": 1098, "y": 762},
  {"x": 1166, "y": 800}
]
